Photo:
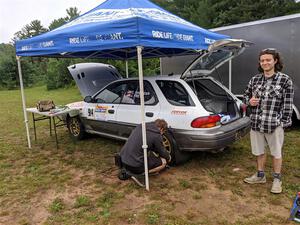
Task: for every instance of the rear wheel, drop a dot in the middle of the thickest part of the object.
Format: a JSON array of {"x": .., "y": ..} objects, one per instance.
[
  {"x": 170, "y": 145},
  {"x": 75, "y": 127}
]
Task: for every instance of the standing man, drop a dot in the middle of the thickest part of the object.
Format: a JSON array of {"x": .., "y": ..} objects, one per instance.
[
  {"x": 132, "y": 153},
  {"x": 270, "y": 96}
]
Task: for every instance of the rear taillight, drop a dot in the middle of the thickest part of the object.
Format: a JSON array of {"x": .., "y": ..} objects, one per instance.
[{"x": 206, "y": 122}]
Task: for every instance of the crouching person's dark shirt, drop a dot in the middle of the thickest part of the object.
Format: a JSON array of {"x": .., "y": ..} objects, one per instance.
[{"x": 132, "y": 153}]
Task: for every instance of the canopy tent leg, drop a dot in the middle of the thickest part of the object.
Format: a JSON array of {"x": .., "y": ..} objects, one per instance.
[
  {"x": 126, "y": 64},
  {"x": 160, "y": 66},
  {"x": 229, "y": 74},
  {"x": 140, "y": 67},
  {"x": 23, "y": 100}
]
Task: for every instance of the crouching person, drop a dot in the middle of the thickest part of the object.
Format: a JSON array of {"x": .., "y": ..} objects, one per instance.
[{"x": 132, "y": 153}]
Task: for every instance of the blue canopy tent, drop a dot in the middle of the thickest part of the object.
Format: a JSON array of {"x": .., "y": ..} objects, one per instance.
[
  {"x": 119, "y": 29},
  {"x": 114, "y": 29}
]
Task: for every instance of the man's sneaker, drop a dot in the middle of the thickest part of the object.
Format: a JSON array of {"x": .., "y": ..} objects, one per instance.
[
  {"x": 277, "y": 186},
  {"x": 139, "y": 180},
  {"x": 254, "y": 179}
]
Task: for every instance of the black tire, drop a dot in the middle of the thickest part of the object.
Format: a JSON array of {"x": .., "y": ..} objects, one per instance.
[
  {"x": 178, "y": 157},
  {"x": 76, "y": 128}
]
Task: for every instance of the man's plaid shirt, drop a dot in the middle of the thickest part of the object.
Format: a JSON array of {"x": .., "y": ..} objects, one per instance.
[{"x": 275, "y": 101}]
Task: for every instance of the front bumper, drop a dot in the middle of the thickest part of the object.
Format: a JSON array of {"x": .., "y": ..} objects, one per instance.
[{"x": 213, "y": 138}]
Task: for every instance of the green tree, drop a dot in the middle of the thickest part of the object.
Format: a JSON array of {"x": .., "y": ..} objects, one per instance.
[
  {"x": 57, "y": 23},
  {"x": 9, "y": 78},
  {"x": 72, "y": 13},
  {"x": 215, "y": 13},
  {"x": 34, "y": 28},
  {"x": 58, "y": 75},
  {"x": 34, "y": 69},
  {"x": 234, "y": 12}
]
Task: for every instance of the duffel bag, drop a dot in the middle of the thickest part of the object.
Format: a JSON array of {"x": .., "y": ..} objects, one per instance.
[{"x": 45, "y": 105}]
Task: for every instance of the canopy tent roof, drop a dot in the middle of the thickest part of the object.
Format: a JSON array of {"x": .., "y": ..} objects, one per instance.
[{"x": 114, "y": 29}]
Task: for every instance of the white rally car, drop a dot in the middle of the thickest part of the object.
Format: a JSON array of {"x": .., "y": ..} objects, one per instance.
[{"x": 202, "y": 114}]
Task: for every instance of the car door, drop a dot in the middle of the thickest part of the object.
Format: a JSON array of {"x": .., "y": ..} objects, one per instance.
[
  {"x": 129, "y": 110},
  {"x": 100, "y": 114}
]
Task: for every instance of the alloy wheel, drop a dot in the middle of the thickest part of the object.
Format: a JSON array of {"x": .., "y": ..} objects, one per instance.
[{"x": 74, "y": 126}]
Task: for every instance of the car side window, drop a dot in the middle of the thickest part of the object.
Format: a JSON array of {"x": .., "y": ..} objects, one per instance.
[
  {"x": 112, "y": 93},
  {"x": 149, "y": 95},
  {"x": 132, "y": 94},
  {"x": 175, "y": 93},
  {"x": 128, "y": 97}
]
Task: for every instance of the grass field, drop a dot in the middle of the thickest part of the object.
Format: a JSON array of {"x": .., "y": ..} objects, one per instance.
[{"x": 77, "y": 183}]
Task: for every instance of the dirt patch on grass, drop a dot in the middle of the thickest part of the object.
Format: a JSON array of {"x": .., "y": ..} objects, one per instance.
[
  {"x": 33, "y": 211},
  {"x": 80, "y": 185},
  {"x": 197, "y": 198},
  {"x": 191, "y": 199},
  {"x": 188, "y": 195}
]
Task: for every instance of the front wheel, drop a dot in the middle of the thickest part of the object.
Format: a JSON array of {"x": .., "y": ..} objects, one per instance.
[
  {"x": 178, "y": 157},
  {"x": 76, "y": 128}
]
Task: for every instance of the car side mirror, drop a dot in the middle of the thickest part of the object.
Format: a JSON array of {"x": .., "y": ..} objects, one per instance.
[{"x": 88, "y": 99}]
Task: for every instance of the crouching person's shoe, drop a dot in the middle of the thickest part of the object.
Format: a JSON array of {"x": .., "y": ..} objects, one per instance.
[
  {"x": 139, "y": 180},
  {"x": 123, "y": 174},
  {"x": 276, "y": 186},
  {"x": 254, "y": 179}
]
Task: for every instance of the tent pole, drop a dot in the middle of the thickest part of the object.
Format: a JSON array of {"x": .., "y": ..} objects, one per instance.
[
  {"x": 160, "y": 66},
  {"x": 126, "y": 63},
  {"x": 140, "y": 66},
  {"x": 23, "y": 100},
  {"x": 230, "y": 74}
]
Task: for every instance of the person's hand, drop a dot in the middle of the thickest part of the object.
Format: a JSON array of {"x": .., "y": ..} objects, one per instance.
[
  {"x": 254, "y": 101},
  {"x": 170, "y": 159}
]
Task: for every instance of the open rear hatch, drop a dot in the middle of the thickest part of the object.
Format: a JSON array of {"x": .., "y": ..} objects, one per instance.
[
  {"x": 218, "y": 53},
  {"x": 212, "y": 95},
  {"x": 91, "y": 77}
]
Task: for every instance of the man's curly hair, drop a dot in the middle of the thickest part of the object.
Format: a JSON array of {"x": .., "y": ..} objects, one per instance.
[{"x": 276, "y": 56}]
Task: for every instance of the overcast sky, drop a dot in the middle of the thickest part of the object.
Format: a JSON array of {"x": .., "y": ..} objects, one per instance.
[{"x": 15, "y": 14}]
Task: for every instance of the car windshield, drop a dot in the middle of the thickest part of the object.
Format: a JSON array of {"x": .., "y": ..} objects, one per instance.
[{"x": 111, "y": 94}]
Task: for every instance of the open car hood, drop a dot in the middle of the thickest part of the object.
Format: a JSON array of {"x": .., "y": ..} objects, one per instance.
[
  {"x": 91, "y": 77},
  {"x": 218, "y": 53}
]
